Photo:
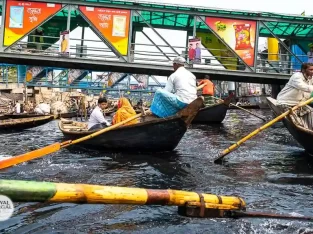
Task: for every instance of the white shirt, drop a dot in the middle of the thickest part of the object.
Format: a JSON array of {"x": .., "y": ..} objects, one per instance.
[
  {"x": 18, "y": 108},
  {"x": 97, "y": 117},
  {"x": 182, "y": 83},
  {"x": 297, "y": 89}
]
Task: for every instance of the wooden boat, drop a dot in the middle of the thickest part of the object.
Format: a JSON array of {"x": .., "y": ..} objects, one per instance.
[
  {"x": 302, "y": 135},
  {"x": 68, "y": 115},
  {"x": 3, "y": 117},
  {"x": 245, "y": 107},
  {"x": 213, "y": 114},
  {"x": 151, "y": 134},
  {"x": 24, "y": 123},
  {"x": 23, "y": 115}
]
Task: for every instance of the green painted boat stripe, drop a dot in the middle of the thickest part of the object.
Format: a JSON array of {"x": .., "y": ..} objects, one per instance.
[{"x": 18, "y": 190}]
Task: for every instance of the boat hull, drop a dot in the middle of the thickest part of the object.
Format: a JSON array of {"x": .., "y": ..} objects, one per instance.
[
  {"x": 303, "y": 136},
  {"x": 211, "y": 114},
  {"x": 23, "y": 115},
  {"x": 23, "y": 123},
  {"x": 67, "y": 115},
  {"x": 157, "y": 136}
]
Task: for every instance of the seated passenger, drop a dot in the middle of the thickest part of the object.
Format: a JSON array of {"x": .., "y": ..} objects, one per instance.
[
  {"x": 97, "y": 120},
  {"x": 297, "y": 90},
  {"x": 180, "y": 90},
  {"x": 208, "y": 91},
  {"x": 124, "y": 112}
]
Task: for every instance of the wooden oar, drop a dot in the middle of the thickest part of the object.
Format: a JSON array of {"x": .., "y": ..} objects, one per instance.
[
  {"x": 250, "y": 214},
  {"x": 33, "y": 191},
  {"x": 252, "y": 134},
  {"x": 260, "y": 117},
  {"x": 57, "y": 146}
]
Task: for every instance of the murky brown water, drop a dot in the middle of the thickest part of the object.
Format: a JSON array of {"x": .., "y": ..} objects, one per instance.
[{"x": 270, "y": 172}]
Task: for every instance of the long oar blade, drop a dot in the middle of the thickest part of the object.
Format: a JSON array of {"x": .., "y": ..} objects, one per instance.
[
  {"x": 255, "y": 132},
  {"x": 57, "y": 146},
  {"x": 258, "y": 116},
  {"x": 29, "y": 156}
]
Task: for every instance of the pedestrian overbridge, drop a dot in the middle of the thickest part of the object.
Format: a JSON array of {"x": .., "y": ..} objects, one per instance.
[{"x": 134, "y": 37}]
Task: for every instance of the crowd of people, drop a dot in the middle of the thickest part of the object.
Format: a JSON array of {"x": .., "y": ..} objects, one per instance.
[{"x": 20, "y": 107}]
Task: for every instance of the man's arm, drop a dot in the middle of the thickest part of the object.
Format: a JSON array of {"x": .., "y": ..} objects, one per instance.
[
  {"x": 169, "y": 84},
  {"x": 100, "y": 118},
  {"x": 297, "y": 82}
]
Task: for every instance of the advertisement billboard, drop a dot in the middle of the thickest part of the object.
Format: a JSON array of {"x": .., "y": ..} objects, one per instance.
[
  {"x": 113, "y": 24},
  {"x": 240, "y": 35},
  {"x": 194, "y": 50},
  {"x": 218, "y": 50},
  {"x": 23, "y": 16}
]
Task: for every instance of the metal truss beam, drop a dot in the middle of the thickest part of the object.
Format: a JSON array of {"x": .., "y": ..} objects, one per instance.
[
  {"x": 281, "y": 42},
  {"x": 156, "y": 80},
  {"x": 156, "y": 32},
  {"x": 122, "y": 77},
  {"x": 155, "y": 45}
]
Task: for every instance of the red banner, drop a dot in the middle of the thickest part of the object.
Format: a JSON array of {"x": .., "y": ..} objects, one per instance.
[
  {"x": 238, "y": 34},
  {"x": 23, "y": 16},
  {"x": 113, "y": 24}
]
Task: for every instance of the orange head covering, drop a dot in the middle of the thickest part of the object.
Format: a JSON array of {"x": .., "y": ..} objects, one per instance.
[{"x": 125, "y": 111}]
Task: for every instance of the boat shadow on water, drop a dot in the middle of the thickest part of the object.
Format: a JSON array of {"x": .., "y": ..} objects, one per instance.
[
  {"x": 164, "y": 164},
  {"x": 296, "y": 169}
]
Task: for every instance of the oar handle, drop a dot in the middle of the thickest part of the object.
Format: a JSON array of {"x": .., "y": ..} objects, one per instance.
[
  {"x": 104, "y": 130},
  {"x": 267, "y": 125},
  {"x": 239, "y": 107}
]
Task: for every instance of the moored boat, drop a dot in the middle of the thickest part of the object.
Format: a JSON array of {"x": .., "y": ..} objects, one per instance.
[
  {"x": 23, "y": 115},
  {"x": 302, "y": 135},
  {"x": 24, "y": 123},
  {"x": 213, "y": 114},
  {"x": 245, "y": 107},
  {"x": 67, "y": 115},
  {"x": 151, "y": 134},
  {"x": 3, "y": 117}
]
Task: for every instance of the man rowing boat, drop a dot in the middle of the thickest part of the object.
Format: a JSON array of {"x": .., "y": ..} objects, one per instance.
[
  {"x": 298, "y": 89},
  {"x": 180, "y": 90}
]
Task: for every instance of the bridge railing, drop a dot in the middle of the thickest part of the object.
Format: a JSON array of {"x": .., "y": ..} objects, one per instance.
[{"x": 211, "y": 58}]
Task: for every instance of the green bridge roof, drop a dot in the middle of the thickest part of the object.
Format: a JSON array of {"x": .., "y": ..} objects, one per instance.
[{"x": 181, "y": 17}]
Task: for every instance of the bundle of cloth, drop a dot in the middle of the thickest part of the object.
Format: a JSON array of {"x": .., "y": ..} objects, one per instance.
[
  {"x": 59, "y": 107},
  {"x": 42, "y": 108}
]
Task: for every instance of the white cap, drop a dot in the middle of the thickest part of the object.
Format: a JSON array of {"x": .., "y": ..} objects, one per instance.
[{"x": 179, "y": 60}]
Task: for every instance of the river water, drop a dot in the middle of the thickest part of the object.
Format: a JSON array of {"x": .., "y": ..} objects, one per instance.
[{"x": 270, "y": 172}]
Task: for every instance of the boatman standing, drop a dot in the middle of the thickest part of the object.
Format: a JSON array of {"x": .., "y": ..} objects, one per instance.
[
  {"x": 97, "y": 120},
  {"x": 299, "y": 89},
  {"x": 180, "y": 90}
]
